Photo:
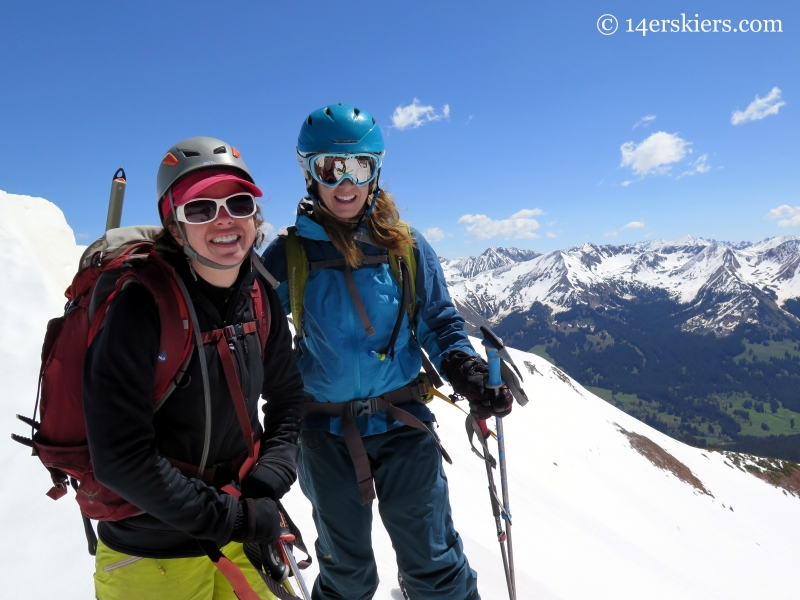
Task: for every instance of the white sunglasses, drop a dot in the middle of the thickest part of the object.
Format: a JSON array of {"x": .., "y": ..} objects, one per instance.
[{"x": 205, "y": 210}]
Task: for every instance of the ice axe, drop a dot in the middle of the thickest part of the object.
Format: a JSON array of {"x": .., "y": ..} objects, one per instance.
[{"x": 116, "y": 198}]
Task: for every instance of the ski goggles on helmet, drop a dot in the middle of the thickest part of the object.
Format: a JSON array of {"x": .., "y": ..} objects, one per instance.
[
  {"x": 331, "y": 169},
  {"x": 205, "y": 210}
]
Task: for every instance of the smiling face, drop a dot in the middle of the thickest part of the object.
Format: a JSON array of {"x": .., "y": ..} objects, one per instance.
[
  {"x": 225, "y": 240},
  {"x": 346, "y": 200}
]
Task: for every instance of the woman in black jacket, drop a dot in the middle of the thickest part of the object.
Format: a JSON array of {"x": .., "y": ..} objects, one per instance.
[{"x": 154, "y": 459}]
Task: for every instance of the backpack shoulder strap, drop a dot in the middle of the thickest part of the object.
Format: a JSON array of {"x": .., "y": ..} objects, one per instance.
[
  {"x": 261, "y": 313},
  {"x": 405, "y": 269},
  {"x": 297, "y": 275},
  {"x": 175, "y": 345},
  {"x": 411, "y": 261}
]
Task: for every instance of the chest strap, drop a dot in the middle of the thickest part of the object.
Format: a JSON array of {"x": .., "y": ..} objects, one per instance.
[
  {"x": 352, "y": 438},
  {"x": 221, "y": 337},
  {"x": 235, "y": 469},
  {"x": 351, "y": 284}
]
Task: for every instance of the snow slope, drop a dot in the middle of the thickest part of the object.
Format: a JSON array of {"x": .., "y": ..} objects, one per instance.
[{"x": 593, "y": 518}]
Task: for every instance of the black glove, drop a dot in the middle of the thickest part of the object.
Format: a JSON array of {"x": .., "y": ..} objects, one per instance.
[
  {"x": 469, "y": 374},
  {"x": 257, "y": 520},
  {"x": 268, "y": 481}
]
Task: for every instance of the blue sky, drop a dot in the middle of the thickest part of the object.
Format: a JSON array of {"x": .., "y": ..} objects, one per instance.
[{"x": 516, "y": 123}]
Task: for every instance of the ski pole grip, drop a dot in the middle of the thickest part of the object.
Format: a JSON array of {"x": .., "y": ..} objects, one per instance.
[
  {"x": 116, "y": 199},
  {"x": 495, "y": 379}
]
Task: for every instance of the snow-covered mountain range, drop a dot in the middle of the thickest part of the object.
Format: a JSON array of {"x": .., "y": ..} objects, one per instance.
[
  {"x": 604, "y": 506},
  {"x": 719, "y": 284}
]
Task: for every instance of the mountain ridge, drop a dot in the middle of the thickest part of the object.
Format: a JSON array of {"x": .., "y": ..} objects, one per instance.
[{"x": 743, "y": 280}]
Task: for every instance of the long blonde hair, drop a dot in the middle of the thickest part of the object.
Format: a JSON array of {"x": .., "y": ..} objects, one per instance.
[{"x": 383, "y": 226}]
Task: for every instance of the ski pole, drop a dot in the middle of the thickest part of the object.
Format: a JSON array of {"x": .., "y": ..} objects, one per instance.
[
  {"x": 116, "y": 199},
  {"x": 498, "y": 512},
  {"x": 501, "y": 450},
  {"x": 287, "y": 552},
  {"x": 494, "y": 346}
]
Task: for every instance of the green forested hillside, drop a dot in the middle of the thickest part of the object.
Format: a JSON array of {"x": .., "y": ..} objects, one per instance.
[{"x": 704, "y": 389}]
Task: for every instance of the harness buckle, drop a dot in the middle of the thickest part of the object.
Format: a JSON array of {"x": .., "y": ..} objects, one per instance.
[
  {"x": 234, "y": 332},
  {"x": 367, "y": 406}
]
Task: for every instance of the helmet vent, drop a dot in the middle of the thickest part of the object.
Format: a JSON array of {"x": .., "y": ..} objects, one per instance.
[
  {"x": 356, "y": 111},
  {"x": 220, "y": 150},
  {"x": 190, "y": 153},
  {"x": 327, "y": 111},
  {"x": 345, "y": 141},
  {"x": 309, "y": 120},
  {"x": 373, "y": 120}
]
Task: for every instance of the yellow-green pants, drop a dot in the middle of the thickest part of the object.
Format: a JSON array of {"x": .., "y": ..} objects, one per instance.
[{"x": 123, "y": 577}]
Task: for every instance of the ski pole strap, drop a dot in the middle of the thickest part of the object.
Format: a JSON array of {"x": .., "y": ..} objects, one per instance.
[
  {"x": 231, "y": 572},
  {"x": 298, "y": 538},
  {"x": 474, "y": 429},
  {"x": 352, "y": 438},
  {"x": 221, "y": 337},
  {"x": 253, "y": 553}
]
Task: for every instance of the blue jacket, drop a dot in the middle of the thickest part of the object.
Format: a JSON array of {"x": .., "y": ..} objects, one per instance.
[{"x": 335, "y": 357}]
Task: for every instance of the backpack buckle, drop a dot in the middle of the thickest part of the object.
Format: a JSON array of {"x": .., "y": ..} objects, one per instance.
[
  {"x": 367, "y": 406},
  {"x": 234, "y": 332}
]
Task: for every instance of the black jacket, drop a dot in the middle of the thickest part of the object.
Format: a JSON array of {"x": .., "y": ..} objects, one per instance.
[{"x": 128, "y": 442}]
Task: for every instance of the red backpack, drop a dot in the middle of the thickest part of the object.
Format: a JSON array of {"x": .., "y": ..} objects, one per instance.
[{"x": 58, "y": 438}]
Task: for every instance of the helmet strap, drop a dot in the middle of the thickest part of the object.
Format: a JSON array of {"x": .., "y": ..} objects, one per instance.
[{"x": 187, "y": 248}]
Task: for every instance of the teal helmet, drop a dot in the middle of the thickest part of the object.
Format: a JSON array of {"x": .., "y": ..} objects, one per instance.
[{"x": 340, "y": 129}]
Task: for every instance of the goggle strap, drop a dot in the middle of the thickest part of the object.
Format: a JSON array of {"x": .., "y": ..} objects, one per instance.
[{"x": 372, "y": 204}]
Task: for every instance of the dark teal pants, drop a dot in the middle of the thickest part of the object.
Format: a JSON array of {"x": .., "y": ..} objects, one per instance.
[{"x": 414, "y": 506}]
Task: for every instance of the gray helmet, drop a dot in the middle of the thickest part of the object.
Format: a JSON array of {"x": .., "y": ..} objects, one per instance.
[
  {"x": 197, "y": 153},
  {"x": 191, "y": 155}
]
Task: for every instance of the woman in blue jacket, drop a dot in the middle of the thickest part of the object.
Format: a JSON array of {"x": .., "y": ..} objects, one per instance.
[{"x": 352, "y": 273}]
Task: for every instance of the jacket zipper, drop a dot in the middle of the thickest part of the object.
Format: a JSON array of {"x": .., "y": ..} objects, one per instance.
[{"x": 354, "y": 329}]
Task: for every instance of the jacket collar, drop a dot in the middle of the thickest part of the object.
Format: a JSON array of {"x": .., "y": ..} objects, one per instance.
[{"x": 308, "y": 227}]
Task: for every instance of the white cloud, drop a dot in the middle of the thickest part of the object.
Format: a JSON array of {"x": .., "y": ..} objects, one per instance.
[
  {"x": 415, "y": 115},
  {"x": 550, "y": 234},
  {"x": 634, "y": 225},
  {"x": 655, "y": 153},
  {"x": 468, "y": 120},
  {"x": 268, "y": 230},
  {"x": 759, "y": 108},
  {"x": 434, "y": 234},
  {"x": 520, "y": 225},
  {"x": 700, "y": 166},
  {"x": 645, "y": 121},
  {"x": 793, "y": 222},
  {"x": 626, "y": 183},
  {"x": 785, "y": 211},
  {"x": 610, "y": 234},
  {"x": 81, "y": 236}
]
